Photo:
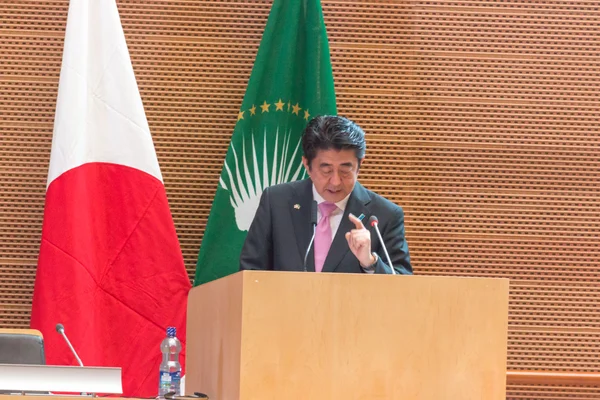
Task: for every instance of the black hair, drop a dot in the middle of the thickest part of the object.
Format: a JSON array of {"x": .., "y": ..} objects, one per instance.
[{"x": 327, "y": 132}]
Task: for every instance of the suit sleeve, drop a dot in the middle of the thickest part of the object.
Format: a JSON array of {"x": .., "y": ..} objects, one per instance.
[
  {"x": 257, "y": 252},
  {"x": 393, "y": 236}
]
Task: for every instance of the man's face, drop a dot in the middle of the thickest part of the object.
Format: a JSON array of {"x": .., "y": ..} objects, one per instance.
[{"x": 333, "y": 172}]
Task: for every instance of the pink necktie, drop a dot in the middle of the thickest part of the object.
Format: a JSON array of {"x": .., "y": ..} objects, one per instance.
[{"x": 323, "y": 235}]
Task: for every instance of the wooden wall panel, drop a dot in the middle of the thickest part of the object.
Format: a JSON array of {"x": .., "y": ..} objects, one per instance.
[
  {"x": 505, "y": 172},
  {"x": 481, "y": 118}
]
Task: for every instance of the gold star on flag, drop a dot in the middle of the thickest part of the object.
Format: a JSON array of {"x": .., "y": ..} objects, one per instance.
[
  {"x": 296, "y": 109},
  {"x": 279, "y": 105},
  {"x": 253, "y": 110},
  {"x": 289, "y": 105},
  {"x": 241, "y": 115},
  {"x": 265, "y": 107},
  {"x": 306, "y": 115}
]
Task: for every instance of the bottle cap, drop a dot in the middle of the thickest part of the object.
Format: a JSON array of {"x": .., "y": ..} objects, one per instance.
[{"x": 171, "y": 331}]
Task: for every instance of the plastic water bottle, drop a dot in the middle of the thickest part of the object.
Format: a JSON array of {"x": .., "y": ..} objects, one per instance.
[{"x": 170, "y": 368}]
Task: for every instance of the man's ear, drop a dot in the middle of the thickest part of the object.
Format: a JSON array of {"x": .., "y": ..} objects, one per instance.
[{"x": 306, "y": 165}]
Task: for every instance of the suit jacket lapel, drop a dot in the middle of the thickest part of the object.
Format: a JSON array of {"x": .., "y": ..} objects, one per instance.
[
  {"x": 300, "y": 210},
  {"x": 339, "y": 247}
]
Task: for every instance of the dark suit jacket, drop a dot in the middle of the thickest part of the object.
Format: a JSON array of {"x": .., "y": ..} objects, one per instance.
[{"x": 281, "y": 230}]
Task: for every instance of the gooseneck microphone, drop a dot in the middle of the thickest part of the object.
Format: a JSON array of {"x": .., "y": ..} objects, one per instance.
[
  {"x": 313, "y": 221},
  {"x": 375, "y": 224},
  {"x": 61, "y": 329}
]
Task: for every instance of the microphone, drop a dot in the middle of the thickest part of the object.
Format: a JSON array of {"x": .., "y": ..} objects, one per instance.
[
  {"x": 375, "y": 224},
  {"x": 313, "y": 221},
  {"x": 61, "y": 329}
]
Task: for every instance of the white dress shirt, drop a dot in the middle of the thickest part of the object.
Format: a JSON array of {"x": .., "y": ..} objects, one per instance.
[{"x": 335, "y": 218}]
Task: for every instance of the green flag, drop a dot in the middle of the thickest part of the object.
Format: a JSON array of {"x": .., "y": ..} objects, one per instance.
[{"x": 291, "y": 82}]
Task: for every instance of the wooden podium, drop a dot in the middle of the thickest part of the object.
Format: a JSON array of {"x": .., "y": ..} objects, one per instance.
[{"x": 291, "y": 335}]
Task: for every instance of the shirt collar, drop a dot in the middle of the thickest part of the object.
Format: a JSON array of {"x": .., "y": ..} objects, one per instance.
[{"x": 319, "y": 199}]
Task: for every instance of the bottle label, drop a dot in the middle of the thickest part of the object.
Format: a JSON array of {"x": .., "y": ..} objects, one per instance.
[{"x": 170, "y": 380}]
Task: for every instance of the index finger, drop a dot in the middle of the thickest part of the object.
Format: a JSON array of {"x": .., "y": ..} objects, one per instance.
[{"x": 356, "y": 221}]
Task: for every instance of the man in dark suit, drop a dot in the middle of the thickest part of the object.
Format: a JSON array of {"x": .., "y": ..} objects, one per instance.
[{"x": 280, "y": 234}]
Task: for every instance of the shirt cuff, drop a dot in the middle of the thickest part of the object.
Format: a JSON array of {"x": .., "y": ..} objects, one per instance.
[{"x": 371, "y": 268}]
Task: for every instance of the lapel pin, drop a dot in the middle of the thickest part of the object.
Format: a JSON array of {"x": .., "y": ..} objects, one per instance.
[{"x": 297, "y": 206}]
